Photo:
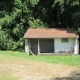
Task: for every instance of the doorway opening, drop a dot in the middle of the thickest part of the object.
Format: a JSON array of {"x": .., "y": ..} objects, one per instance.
[{"x": 46, "y": 45}]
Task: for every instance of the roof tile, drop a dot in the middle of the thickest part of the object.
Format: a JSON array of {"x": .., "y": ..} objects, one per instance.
[{"x": 51, "y": 33}]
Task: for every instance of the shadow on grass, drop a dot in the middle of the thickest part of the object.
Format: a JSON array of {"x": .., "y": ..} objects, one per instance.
[{"x": 73, "y": 76}]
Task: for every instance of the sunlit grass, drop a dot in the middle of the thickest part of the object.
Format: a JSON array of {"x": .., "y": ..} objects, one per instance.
[{"x": 66, "y": 60}]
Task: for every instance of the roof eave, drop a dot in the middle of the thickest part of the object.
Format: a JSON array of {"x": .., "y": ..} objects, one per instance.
[{"x": 47, "y": 37}]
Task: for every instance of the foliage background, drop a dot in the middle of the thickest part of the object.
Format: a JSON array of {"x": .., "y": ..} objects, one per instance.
[{"x": 16, "y": 16}]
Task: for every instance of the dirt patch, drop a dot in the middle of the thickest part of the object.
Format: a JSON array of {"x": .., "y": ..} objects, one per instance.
[{"x": 31, "y": 70}]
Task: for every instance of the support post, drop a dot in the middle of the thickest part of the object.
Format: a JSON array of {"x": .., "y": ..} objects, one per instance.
[
  {"x": 38, "y": 47},
  {"x": 26, "y": 46},
  {"x": 76, "y": 47}
]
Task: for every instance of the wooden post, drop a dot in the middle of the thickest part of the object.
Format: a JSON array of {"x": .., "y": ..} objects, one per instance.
[
  {"x": 76, "y": 47},
  {"x": 26, "y": 46},
  {"x": 38, "y": 47}
]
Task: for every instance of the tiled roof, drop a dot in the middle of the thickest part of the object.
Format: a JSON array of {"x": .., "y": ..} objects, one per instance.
[{"x": 51, "y": 33}]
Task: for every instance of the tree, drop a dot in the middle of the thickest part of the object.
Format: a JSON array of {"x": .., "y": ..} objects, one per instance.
[{"x": 16, "y": 16}]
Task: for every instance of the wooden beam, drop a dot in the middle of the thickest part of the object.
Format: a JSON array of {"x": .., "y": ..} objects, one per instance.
[
  {"x": 38, "y": 47},
  {"x": 26, "y": 46},
  {"x": 76, "y": 47}
]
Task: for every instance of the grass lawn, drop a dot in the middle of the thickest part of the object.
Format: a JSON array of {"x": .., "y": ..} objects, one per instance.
[
  {"x": 65, "y": 60},
  {"x": 20, "y": 66}
]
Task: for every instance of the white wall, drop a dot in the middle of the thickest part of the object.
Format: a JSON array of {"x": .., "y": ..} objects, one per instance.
[{"x": 63, "y": 46}]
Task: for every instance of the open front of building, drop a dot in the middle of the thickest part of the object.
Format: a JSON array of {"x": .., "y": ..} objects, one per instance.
[
  {"x": 41, "y": 45},
  {"x": 51, "y": 41}
]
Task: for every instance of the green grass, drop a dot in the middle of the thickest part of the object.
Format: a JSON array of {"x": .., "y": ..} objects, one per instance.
[{"x": 65, "y": 60}]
